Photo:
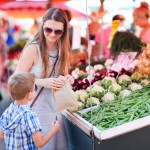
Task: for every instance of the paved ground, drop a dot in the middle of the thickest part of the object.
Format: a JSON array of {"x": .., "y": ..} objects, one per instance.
[{"x": 3, "y": 105}]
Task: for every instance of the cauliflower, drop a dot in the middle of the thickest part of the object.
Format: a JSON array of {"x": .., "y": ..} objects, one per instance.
[
  {"x": 90, "y": 69},
  {"x": 136, "y": 76},
  {"x": 98, "y": 67},
  {"x": 94, "y": 100},
  {"x": 97, "y": 88},
  {"x": 75, "y": 74},
  {"x": 135, "y": 86},
  {"x": 81, "y": 95},
  {"x": 115, "y": 88},
  {"x": 99, "y": 83},
  {"x": 78, "y": 73},
  {"x": 124, "y": 80},
  {"x": 145, "y": 82},
  {"x": 108, "y": 63},
  {"x": 108, "y": 97},
  {"x": 97, "y": 91},
  {"x": 125, "y": 93},
  {"x": 80, "y": 105},
  {"x": 107, "y": 81}
]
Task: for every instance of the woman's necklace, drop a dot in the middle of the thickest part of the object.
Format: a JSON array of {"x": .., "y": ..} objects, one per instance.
[{"x": 52, "y": 56}]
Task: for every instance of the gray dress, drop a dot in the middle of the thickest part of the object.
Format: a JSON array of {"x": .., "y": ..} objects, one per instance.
[{"x": 46, "y": 109}]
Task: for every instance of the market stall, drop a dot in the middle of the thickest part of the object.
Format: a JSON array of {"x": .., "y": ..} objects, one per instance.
[
  {"x": 114, "y": 111},
  {"x": 131, "y": 136},
  {"x": 121, "y": 96}
]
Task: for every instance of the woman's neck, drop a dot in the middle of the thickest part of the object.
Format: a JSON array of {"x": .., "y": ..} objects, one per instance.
[{"x": 51, "y": 46}]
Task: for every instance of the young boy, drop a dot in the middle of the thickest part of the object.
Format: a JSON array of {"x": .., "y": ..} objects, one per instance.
[{"x": 19, "y": 125}]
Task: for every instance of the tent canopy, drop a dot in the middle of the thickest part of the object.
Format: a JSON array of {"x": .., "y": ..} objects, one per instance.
[
  {"x": 34, "y": 8},
  {"x": 26, "y": 8}
]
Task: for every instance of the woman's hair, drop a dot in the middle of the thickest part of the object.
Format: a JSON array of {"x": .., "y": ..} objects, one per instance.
[
  {"x": 59, "y": 15},
  {"x": 125, "y": 42},
  {"x": 142, "y": 11},
  {"x": 20, "y": 84},
  {"x": 118, "y": 17},
  {"x": 68, "y": 14}
]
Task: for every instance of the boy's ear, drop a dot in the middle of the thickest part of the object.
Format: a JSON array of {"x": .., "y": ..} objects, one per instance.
[{"x": 29, "y": 95}]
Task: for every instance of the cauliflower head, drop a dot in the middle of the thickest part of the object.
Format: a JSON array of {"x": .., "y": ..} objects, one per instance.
[
  {"x": 115, "y": 88},
  {"x": 81, "y": 95},
  {"x": 134, "y": 86},
  {"x": 124, "y": 93},
  {"x": 136, "y": 76},
  {"x": 107, "y": 81},
  {"x": 124, "y": 80},
  {"x": 97, "y": 91},
  {"x": 108, "y": 97},
  {"x": 94, "y": 100},
  {"x": 145, "y": 82}
]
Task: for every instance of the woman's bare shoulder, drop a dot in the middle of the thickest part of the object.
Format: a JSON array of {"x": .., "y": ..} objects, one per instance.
[
  {"x": 28, "y": 58},
  {"x": 31, "y": 49}
]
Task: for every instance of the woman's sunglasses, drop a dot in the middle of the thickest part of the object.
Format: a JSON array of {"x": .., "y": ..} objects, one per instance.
[{"x": 56, "y": 32}]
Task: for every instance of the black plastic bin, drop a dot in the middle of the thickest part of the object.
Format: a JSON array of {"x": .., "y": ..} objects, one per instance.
[{"x": 79, "y": 140}]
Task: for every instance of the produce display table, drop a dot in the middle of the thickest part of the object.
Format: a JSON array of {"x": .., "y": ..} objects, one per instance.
[
  {"x": 78, "y": 138},
  {"x": 130, "y": 136}
]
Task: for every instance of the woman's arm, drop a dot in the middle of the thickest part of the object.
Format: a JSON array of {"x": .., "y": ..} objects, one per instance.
[
  {"x": 29, "y": 57},
  {"x": 1, "y": 134}
]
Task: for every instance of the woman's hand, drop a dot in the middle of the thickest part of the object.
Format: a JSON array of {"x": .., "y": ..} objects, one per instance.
[
  {"x": 52, "y": 83},
  {"x": 69, "y": 79}
]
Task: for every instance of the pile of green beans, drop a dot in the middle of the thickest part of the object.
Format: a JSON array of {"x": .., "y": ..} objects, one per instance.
[{"x": 118, "y": 112}]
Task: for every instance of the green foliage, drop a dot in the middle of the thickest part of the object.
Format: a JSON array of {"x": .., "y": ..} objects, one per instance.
[
  {"x": 125, "y": 42},
  {"x": 17, "y": 47}
]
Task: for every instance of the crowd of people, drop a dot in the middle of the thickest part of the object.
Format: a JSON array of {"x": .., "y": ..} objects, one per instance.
[
  {"x": 49, "y": 48},
  {"x": 141, "y": 27}
]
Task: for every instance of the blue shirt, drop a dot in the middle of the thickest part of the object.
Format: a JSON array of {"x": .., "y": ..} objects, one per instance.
[{"x": 18, "y": 123}]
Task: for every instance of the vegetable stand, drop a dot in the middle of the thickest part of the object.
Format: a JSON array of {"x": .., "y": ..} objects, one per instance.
[{"x": 133, "y": 135}]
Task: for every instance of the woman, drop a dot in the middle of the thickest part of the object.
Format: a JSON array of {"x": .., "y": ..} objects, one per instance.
[
  {"x": 141, "y": 18},
  {"x": 48, "y": 50},
  {"x": 105, "y": 35}
]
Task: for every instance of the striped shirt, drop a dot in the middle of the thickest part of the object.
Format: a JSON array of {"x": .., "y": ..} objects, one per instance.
[{"x": 18, "y": 123}]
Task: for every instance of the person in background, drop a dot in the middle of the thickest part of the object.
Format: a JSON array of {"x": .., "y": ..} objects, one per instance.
[
  {"x": 141, "y": 18},
  {"x": 3, "y": 52},
  {"x": 69, "y": 26},
  {"x": 34, "y": 28},
  {"x": 93, "y": 26},
  {"x": 19, "y": 124},
  {"x": 103, "y": 35},
  {"x": 49, "y": 49}
]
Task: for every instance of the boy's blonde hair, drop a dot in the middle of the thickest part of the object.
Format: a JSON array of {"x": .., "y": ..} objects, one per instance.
[{"x": 20, "y": 84}]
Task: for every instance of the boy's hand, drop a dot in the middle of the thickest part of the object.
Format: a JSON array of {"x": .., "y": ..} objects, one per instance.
[
  {"x": 40, "y": 140},
  {"x": 55, "y": 126}
]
